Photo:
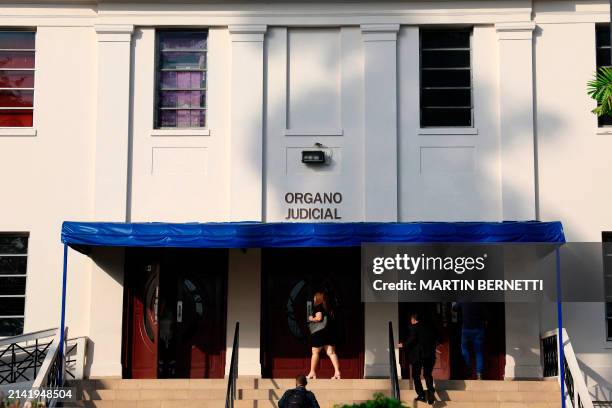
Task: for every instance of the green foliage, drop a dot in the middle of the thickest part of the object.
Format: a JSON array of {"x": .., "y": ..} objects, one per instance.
[
  {"x": 379, "y": 401},
  {"x": 600, "y": 89}
]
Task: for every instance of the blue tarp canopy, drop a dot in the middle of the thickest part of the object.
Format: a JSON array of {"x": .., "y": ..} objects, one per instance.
[{"x": 277, "y": 235}]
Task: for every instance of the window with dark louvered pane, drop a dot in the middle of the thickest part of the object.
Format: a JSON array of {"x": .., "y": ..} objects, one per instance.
[
  {"x": 13, "y": 265},
  {"x": 446, "y": 78},
  {"x": 602, "y": 32}
]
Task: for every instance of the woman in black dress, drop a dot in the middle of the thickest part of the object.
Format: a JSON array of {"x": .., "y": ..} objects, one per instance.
[{"x": 322, "y": 335}]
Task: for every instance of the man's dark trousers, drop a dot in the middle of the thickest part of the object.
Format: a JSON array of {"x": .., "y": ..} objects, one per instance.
[{"x": 426, "y": 365}]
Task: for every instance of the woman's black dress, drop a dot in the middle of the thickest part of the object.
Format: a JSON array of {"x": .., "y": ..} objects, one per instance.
[{"x": 326, "y": 336}]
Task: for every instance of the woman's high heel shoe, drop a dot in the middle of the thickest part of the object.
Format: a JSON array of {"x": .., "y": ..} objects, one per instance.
[
  {"x": 311, "y": 376},
  {"x": 336, "y": 377}
]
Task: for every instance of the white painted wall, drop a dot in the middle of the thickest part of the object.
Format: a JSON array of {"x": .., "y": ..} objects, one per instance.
[
  {"x": 179, "y": 176},
  {"x": 450, "y": 174},
  {"x": 573, "y": 165},
  {"x": 48, "y": 177}
]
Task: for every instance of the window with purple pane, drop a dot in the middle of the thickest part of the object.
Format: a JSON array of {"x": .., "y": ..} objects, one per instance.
[
  {"x": 182, "y": 67},
  {"x": 168, "y": 118},
  {"x": 197, "y": 118},
  {"x": 196, "y": 80},
  {"x": 184, "y": 80},
  {"x": 168, "y": 99},
  {"x": 169, "y": 79},
  {"x": 183, "y": 118}
]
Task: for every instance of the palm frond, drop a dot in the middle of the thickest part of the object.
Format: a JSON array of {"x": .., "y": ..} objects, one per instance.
[{"x": 600, "y": 89}]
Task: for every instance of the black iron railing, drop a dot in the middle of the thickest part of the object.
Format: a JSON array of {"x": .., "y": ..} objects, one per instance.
[
  {"x": 395, "y": 387},
  {"x": 550, "y": 356},
  {"x": 21, "y": 359},
  {"x": 576, "y": 392},
  {"x": 233, "y": 371}
]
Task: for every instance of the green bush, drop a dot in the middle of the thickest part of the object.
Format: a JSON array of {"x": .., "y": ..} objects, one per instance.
[{"x": 379, "y": 401}]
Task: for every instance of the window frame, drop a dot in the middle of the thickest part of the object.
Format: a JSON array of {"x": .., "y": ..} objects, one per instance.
[
  {"x": 606, "y": 237},
  {"x": 598, "y": 26},
  {"x": 470, "y": 30},
  {"x": 34, "y": 71},
  {"x": 157, "y": 128},
  {"x": 25, "y": 276}
]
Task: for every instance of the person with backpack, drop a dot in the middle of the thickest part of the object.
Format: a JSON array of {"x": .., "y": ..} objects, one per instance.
[{"x": 298, "y": 397}]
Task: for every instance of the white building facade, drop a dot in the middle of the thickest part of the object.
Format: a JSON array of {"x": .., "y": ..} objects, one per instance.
[{"x": 199, "y": 111}]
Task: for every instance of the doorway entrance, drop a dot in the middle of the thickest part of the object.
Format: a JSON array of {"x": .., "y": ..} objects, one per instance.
[
  {"x": 290, "y": 278},
  {"x": 175, "y": 313},
  {"x": 449, "y": 360}
]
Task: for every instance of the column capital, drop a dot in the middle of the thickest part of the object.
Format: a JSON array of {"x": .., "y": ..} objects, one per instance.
[
  {"x": 247, "y": 32},
  {"x": 114, "y": 32},
  {"x": 379, "y": 32},
  {"x": 515, "y": 31}
]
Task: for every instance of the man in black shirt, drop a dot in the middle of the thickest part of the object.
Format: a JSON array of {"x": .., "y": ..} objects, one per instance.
[
  {"x": 298, "y": 397},
  {"x": 420, "y": 345}
]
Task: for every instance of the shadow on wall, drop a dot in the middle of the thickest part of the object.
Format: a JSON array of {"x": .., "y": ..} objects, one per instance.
[{"x": 602, "y": 391}]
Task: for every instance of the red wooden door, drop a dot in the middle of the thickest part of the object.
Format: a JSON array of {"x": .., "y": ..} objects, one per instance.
[
  {"x": 440, "y": 314},
  {"x": 194, "y": 294},
  {"x": 145, "y": 292},
  {"x": 290, "y": 279},
  {"x": 178, "y": 300}
]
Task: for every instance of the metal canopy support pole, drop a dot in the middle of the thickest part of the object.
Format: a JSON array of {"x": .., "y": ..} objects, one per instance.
[
  {"x": 60, "y": 375},
  {"x": 560, "y": 325}
]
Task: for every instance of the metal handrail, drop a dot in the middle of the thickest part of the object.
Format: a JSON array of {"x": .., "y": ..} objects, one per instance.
[
  {"x": 395, "y": 387},
  {"x": 576, "y": 391},
  {"x": 233, "y": 371}
]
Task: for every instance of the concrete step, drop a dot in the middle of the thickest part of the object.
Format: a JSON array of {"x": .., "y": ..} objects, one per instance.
[
  {"x": 264, "y": 393},
  {"x": 320, "y": 384},
  {"x": 322, "y": 396},
  {"x": 407, "y": 395},
  {"x": 272, "y": 404},
  {"x": 413, "y": 404}
]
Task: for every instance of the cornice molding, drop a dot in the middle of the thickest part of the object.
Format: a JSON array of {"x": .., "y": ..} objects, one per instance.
[
  {"x": 247, "y": 32},
  {"x": 379, "y": 32},
  {"x": 515, "y": 31},
  {"x": 114, "y": 32}
]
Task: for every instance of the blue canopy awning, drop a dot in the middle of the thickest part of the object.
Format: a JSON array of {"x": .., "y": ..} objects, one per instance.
[{"x": 276, "y": 235}]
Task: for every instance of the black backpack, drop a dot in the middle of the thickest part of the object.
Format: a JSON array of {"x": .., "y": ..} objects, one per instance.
[{"x": 297, "y": 399}]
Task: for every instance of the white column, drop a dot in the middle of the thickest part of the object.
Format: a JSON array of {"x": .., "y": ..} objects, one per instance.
[
  {"x": 110, "y": 195},
  {"x": 244, "y": 306},
  {"x": 516, "y": 120},
  {"x": 246, "y": 122},
  {"x": 380, "y": 150},
  {"x": 112, "y": 122},
  {"x": 522, "y": 341},
  {"x": 380, "y": 158},
  {"x": 106, "y": 313},
  {"x": 518, "y": 179}
]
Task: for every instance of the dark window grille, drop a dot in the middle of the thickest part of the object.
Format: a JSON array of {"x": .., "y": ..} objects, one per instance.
[
  {"x": 446, "y": 78},
  {"x": 603, "y": 60},
  {"x": 13, "y": 266},
  {"x": 181, "y": 79},
  {"x": 607, "y": 268}
]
